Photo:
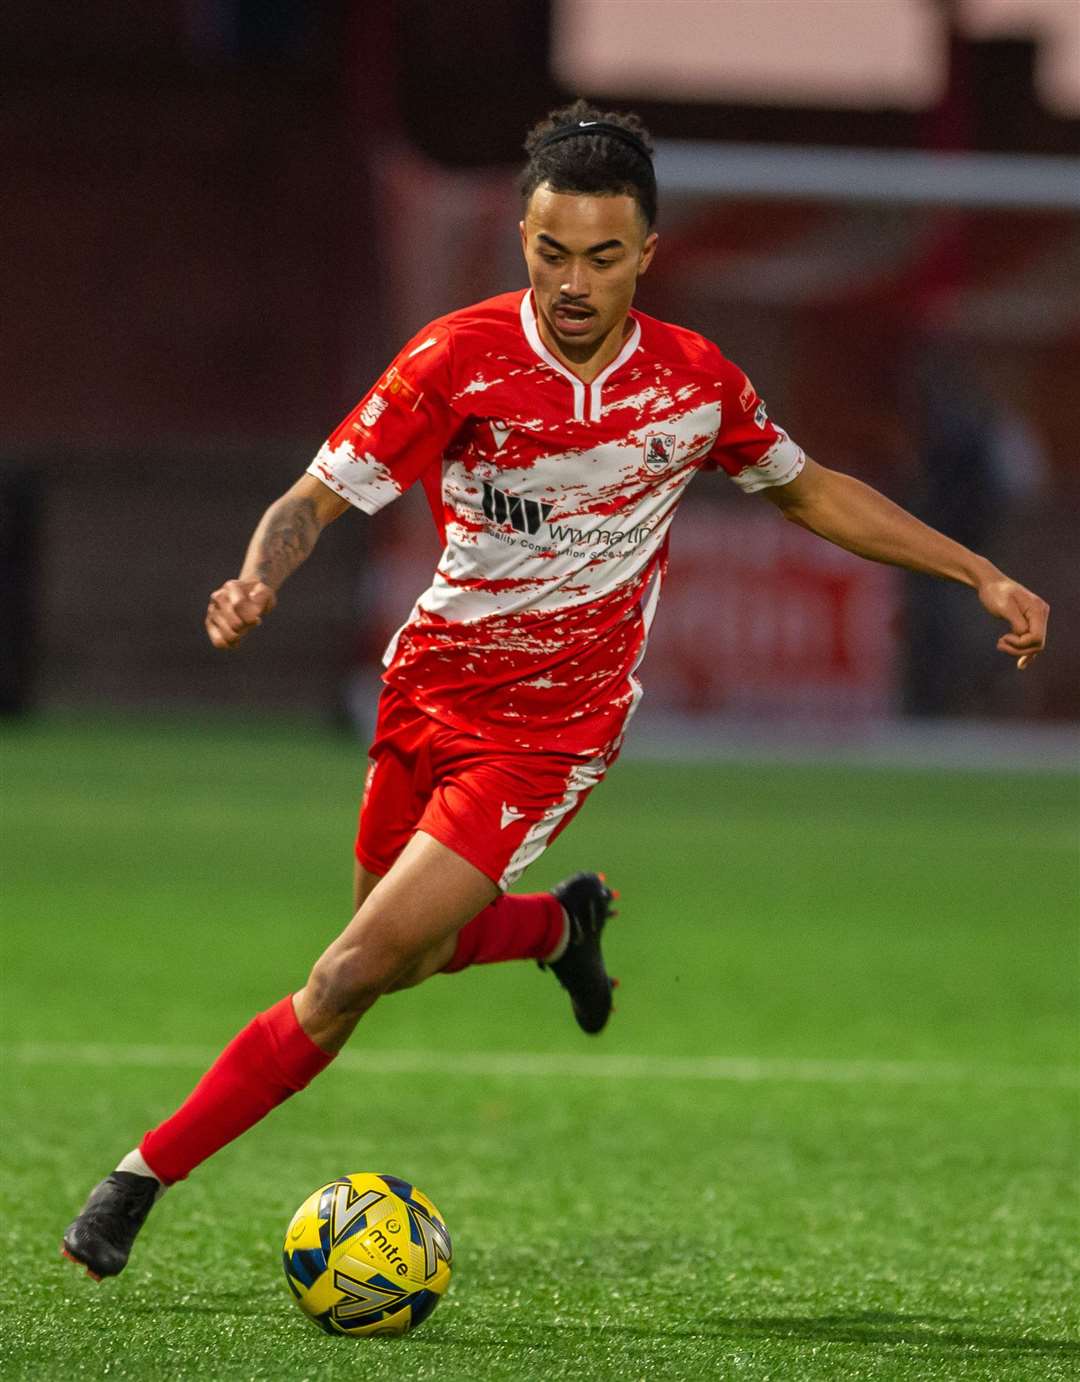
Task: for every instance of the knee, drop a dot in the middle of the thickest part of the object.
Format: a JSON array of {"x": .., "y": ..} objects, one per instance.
[{"x": 347, "y": 981}]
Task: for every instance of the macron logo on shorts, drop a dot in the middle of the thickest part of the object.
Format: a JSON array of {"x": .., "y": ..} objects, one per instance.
[{"x": 510, "y": 814}]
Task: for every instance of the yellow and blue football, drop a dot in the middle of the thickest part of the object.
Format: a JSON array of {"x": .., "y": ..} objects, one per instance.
[{"x": 367, "y": 1255}]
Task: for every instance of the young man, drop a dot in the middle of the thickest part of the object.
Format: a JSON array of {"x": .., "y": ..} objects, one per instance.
[{"x": 554, "y": 431}]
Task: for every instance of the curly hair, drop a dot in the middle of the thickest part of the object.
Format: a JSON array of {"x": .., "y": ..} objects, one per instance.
[{"x": 595, "y": 162}]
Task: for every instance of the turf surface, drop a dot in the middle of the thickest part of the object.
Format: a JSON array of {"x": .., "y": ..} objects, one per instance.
[{"x": 831, "y": 1133}]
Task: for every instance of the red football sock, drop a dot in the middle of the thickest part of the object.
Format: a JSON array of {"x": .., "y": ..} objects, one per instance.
[
  {"x": 270, "y": 1059},
  {"x": 521, "y": 926}
]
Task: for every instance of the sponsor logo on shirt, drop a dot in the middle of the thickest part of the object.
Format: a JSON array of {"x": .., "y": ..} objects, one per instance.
[
  {"x": 659, "y": 450},
  {"x": 400, "y": 390},
  {"x": 523, "y": 515},
  {"x": 528, "y": 516},
  {"x": 599, "y": 537},
  {"x": 392, "y": 389},
  {"x": 373, "y": 410}
]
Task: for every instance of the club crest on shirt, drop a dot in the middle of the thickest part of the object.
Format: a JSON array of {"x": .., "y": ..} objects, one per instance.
[{"x": 659, "y": 450}]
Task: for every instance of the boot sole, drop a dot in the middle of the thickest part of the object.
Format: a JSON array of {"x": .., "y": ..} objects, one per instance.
[{"x": 79, "y": 1263}]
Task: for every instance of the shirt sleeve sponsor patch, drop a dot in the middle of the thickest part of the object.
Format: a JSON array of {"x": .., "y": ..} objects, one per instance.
[
  {"x": 399, "y": 390},
  {"x": 399, "y": 429},
  {"x": 393, "y": 388},
  {"x": 372, "y": 410}
]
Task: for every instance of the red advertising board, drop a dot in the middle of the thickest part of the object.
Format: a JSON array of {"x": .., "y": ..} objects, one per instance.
[{"x": 759, "y": 617}]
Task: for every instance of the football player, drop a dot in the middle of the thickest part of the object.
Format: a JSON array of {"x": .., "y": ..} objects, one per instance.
[{"x": 554, "y": 430}]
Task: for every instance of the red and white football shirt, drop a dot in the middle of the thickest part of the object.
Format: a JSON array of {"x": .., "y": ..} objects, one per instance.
[{"x": 554, "y": 499}]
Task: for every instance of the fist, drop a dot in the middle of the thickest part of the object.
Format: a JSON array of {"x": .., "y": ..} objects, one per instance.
[
  {"x": 235, "y": 609},
  {"x": 1024, "y": 612}
]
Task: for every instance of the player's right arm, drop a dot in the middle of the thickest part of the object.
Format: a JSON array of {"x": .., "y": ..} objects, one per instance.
[
  {"x": 399, "y": 428},
  {"x": 286, "y": 533}
]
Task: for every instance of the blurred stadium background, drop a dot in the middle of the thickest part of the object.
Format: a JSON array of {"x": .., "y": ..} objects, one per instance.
[{"x": 223, "y": 216}]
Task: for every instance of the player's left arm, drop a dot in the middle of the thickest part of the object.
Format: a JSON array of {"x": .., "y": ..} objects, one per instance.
[{"x": 854, "y": 516}]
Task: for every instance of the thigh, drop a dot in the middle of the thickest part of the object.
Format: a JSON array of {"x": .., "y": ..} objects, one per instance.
[
  {"x": 363, "y": 882},
  {"x": 434, "y": 959},
  {"x": 428, "y": 894}
]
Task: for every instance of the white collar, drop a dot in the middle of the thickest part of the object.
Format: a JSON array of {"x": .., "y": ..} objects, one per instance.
[{"x": 596, "y": 404}]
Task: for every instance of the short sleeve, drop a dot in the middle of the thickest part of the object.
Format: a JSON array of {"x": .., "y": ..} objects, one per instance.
[
  {"x": 397, "y": 430},
  {"x": 754, "y": 451}
]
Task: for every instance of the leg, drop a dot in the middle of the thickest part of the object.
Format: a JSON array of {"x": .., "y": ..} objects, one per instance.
[
  {"x": 516, "y": 926},
  {"x": 454, "y": 787},
  {"x": 427, "y": 893},
  {"x": 407, "y": 924},
  {"x": 470, "y": 783},
  {"x": 433, "y": 962},
  {"x": 363, "y": 883},
  {"x": 406, "y": 921},
  {"x": 560, "y": 929}
]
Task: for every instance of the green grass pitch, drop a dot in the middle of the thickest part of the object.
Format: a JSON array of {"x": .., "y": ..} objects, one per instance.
[{"x": 831, "y": 1132}]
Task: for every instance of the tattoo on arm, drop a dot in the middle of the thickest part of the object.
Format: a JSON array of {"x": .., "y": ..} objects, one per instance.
[{"x": 282, "y": 541}]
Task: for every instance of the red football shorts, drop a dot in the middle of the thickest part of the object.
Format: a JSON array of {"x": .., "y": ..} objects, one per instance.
[{"x": 498, "y": 807}]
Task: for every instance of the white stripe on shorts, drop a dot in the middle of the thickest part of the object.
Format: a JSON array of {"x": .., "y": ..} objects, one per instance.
[{"x": 582, "y": 777}]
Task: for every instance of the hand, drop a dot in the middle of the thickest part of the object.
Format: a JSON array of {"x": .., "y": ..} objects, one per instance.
[
  {"x": 235, "y": 609},
  {"x": 1025, "y": 614}
]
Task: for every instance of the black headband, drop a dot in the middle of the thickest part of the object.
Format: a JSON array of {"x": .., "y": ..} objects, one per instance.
[{"x": 584, "y": 127}]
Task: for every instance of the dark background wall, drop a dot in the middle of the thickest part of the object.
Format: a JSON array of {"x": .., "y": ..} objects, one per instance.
[{"x": 197, "y": 282}]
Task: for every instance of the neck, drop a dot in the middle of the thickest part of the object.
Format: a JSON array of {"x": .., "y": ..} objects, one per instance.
[{"x": 586, "y": 361}]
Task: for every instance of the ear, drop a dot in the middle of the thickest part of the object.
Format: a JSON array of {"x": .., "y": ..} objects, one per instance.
[
  {"x": 648, "y": 249},
  {"x": 524, "y": 237}
]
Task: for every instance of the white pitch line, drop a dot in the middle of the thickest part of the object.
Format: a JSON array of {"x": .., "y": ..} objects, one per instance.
[{"x": 544, "y": 1065}]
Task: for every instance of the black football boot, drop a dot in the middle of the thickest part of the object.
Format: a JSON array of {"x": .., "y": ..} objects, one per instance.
[
  {"x": 580, "y": 969},
  {"x": 100, "y": 1238}
]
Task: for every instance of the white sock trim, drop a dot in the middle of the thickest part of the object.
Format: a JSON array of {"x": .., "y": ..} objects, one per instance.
[
  {"x": 560, "y": 949},
  {"x": 137, "y": 1165}
]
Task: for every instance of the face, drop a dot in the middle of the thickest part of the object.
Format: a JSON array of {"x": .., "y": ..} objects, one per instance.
[{"x": 584, "y": 254}]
